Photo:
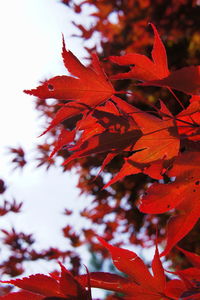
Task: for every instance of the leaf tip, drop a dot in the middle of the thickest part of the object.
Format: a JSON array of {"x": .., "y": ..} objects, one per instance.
[
  {"x": 29, "y": 92},
  {"x": 64, "y": 49},
  {"x": 104, "y": 243}
]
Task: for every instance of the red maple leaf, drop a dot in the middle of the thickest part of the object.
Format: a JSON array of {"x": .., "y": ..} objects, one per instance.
[
  {"x": 191, "y": 276},
  {"x": 159, "y": 142},
  {"x": 155, "y": 72},
  {"x": 118, "y": 127},
  {"x": 186, "y": 80},
  {"x": 188, "y": 120},
  {"x": 192, "y": 257},
  {"x": 87, "y": 88},
  {"x": 182, "y": 194},
  {"x": 140, "y": 283},
  {"x": 105, "y": 129},
  {"x": 145, "y": 69},
  {"x": 43, "y": 287}
]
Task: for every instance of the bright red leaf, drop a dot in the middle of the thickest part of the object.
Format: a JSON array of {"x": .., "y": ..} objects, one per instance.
[
  {"x": 105, "y": 130},
  {"x": 89, "y": 87},
  {"x": 65, "y": 138},
  {"x": 188, "y": 120},
  {"x": 139, "y": 283},
  {"x": 159, "y": 141},
  {"x": 41, "y": 287},
  {"x": 186, "y": 80},
  {"x": 192, "y": 257},
  {"x": 22, "y": 296},
  {"x": 182, "y": 194},
  {"x": 155, "y": 72},
  {"x": 142, "y": 284},
  {"x": 145, "y": 69}
]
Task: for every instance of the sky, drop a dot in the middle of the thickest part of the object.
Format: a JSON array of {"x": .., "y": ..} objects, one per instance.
[{"x": 31, "y": 41}]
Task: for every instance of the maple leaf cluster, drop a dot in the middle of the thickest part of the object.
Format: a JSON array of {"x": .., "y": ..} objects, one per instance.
[
  {"x": 122, "y": 27},
  {"x": 139, "y": 282},
  {"x": 19, "y": 159},
  {"x": 153, "y": 141},
  {"x": 129, "y": 33}
]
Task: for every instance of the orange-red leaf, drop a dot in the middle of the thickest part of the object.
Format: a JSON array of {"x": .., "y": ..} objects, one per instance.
[
  {"x": 158, "y": 271},
  {"x": 105, "y": 130},
  {"x": 129, "y": 263},
  {"x": 192, "y": 257},
  {"x": 90, "y": 86},
  {"x": 38, "y": 283},
  {"x": 159, "y": 141},
  {"x": 190, "y": 115},
  {"x": 69, "y": 285},
  {"x": 145, "y": 69},
  {"x": 107, "y": 281},
  {"x": 155, "y": 72},
  {"x": 66, "y": 111},
  {"x": 24, "y": 295},
  {"x": 65, "y": 286},
  {"x": 186, "y": 80},
  {"x": 64, "y": 138},
  {"x": 142, "y": 284},
  {"x": 182, "y": 194}
]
